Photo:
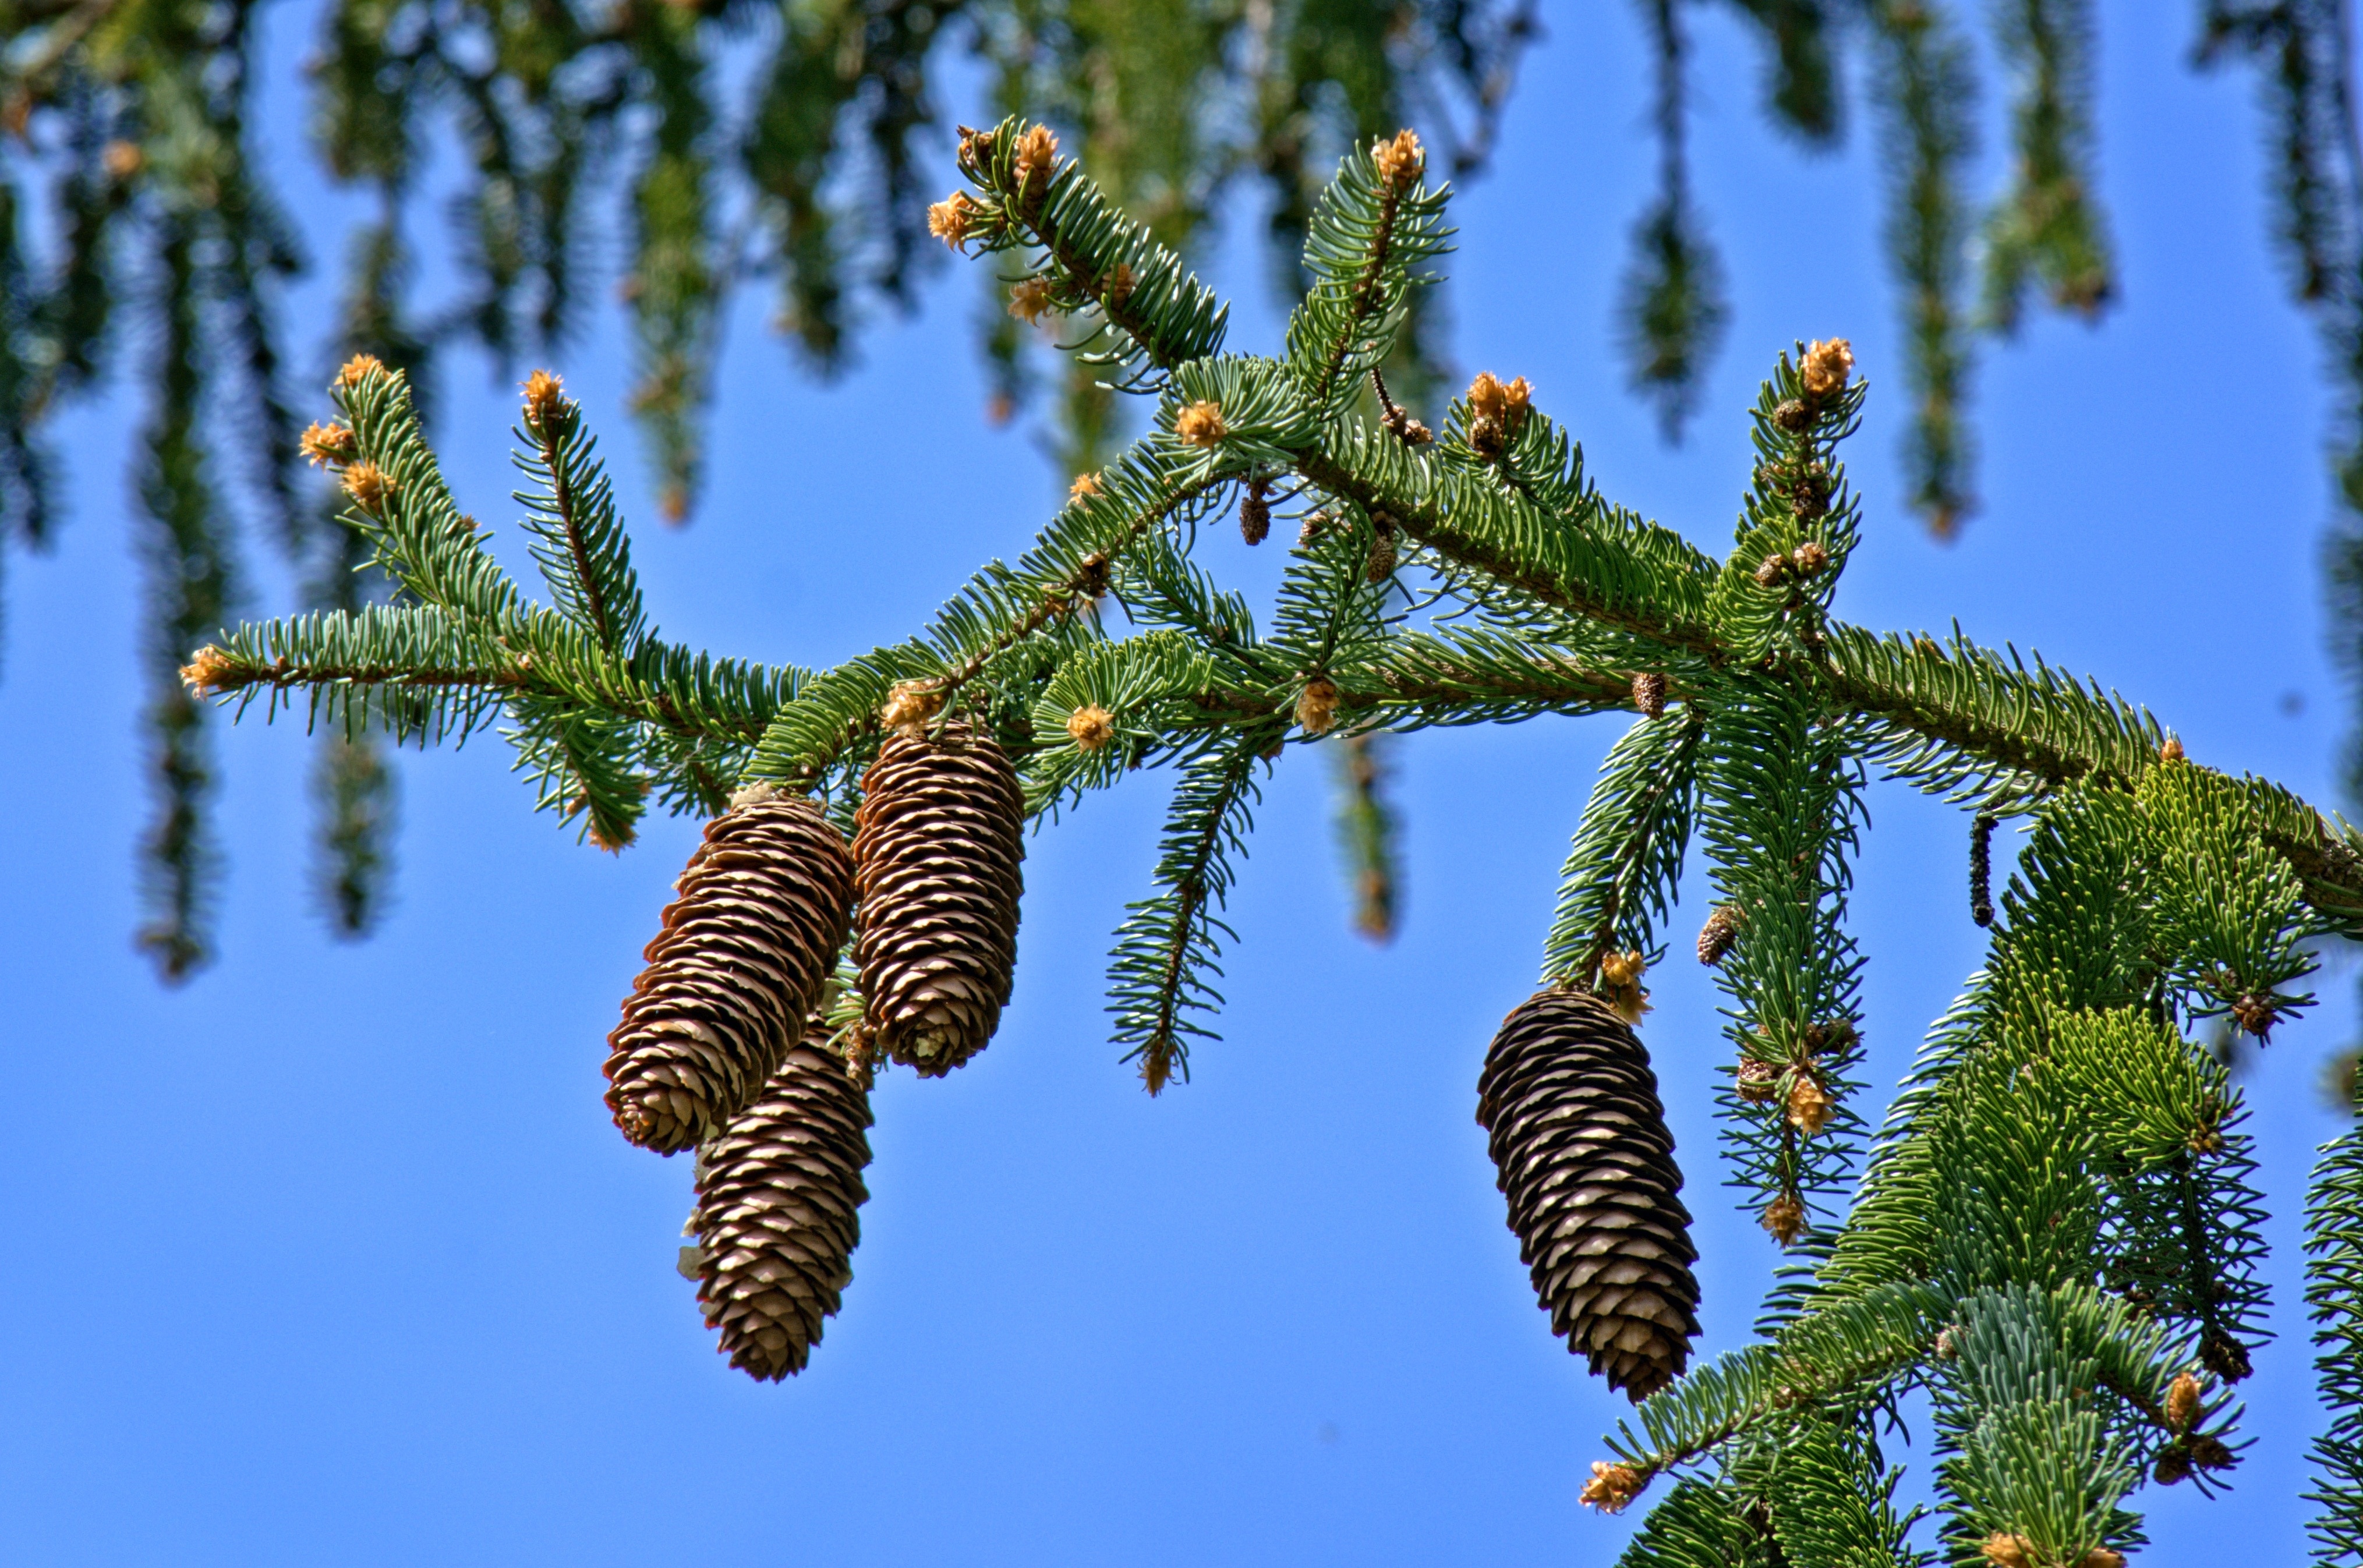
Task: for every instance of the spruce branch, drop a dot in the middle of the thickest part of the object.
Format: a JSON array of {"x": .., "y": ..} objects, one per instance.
[
  {"x": 1376, "y": 222},
  {"x": 1618, "y": 885},
  {"x": 1838, "y": 1350},
  {"x": 1167, "y": 944},
  {"x": 2334, "y": 1292},
  {"x": 1158, "y": 313},
  {"x": 2047, "y": 229}
]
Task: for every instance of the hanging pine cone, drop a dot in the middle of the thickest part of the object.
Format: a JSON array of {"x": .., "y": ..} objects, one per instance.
[
  {"x": 935, "y": 851},
  {"x": 776, "y": 1219},
  {"x": 745, "y": 948},
  {"x": 1580, "y": 1142}
]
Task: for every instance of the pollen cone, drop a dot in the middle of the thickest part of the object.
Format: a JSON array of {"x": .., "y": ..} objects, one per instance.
[
  {"x": 936, "y": 852},
  {"x": 777, "y": 1218},
  {"x": 1579, "y": 1140},
  {"x": 734, "y": 973}
]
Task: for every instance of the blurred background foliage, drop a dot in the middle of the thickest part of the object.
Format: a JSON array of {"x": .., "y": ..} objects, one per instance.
[{"x": 786, "y": 144}]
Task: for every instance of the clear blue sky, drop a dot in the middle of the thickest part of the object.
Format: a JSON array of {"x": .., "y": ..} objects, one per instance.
[{"x": 334, "y": 1257}]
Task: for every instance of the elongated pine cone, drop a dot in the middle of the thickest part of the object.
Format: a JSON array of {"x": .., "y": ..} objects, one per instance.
[
  {"x": 936, "y": 852},
  {"x": 777, "y": 1217},
  {"x": 763, "y": 909},
  {"x": 1580, "y": 1142}
]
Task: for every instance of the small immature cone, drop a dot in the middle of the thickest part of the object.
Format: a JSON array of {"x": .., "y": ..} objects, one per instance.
[
  {"x": 744, "y": 949},
  {"x": 936, "y": 849},
  {"x": 1649, "y": 694},
  {"x": 1316, "y": 705},
  {"x": 1580, "y": 1142},
  {"x": 1719, "y": 935},
  {"x": 1255, "y": 515},
  {"x": 2183, "y": 1402},
  {"x": 776, "y": 1220}
]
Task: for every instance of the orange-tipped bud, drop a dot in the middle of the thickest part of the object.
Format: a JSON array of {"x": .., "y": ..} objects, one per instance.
[
  {"x": 368, "y": 485},
  {"x": 949, "y": 219},
  {"x": 208, "y": 672},
  {"x": 1402, "y": 160},
  {"x": 359, "y": 369},
  {"x": 1612, "y": 1486},
  {"x": 1316, "y": 705},
  {"x": 1037, "y": 155},
  {"x": 1200, "y": 424},
  {"x": 545, "y": 398},
  {"x": 1029, "y": 300},
  {"x": 1809, "y": 1106},
  {"x": 1090, "y": 727},
  {"x": 1826, "y": 367},
  {"x": 329, "y": 446}
]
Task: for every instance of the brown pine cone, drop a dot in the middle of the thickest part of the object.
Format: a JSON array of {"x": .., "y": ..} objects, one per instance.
[
  {"x": 776, "y": 1220},
  {"x": 1584, "y": 1158},
  {"x": 935, "y": 851},
  {"x": 739, "y": 964}
]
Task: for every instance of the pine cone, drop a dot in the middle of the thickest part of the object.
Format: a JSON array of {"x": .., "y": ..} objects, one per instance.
[
  {"x": 776, "y": 1219},
  {"x": 739, "y": 964},
  {"x": 1580, "y": 1142},
  {"x": 935, "y": 851}
]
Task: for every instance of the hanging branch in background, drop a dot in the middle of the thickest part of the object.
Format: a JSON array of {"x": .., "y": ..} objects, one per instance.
[
  {"x": 1926, "y": 96},
  {"x": 191, "y": 587},
  {"x": 569, "y": 126},
  {"x": 1672, "y": 313},
  {"x": 2047, "y": 229},
  {"x": 1801, "y": 91},
  {"x": 673, "y": 294},
  {"x": 1367, "y": 833}
]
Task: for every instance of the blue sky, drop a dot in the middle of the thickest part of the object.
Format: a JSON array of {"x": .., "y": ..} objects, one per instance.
[{"x": 334, "y": 1256}]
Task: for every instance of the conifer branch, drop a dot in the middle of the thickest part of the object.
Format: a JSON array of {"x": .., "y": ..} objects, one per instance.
[
  {"x": 1619, "y": 882},
  {"x": 1105, "y": 261},
  {"x": 1167, "y": 944},
  {"x": 1837, "y": 1350},
  {"x": 2333, "y": 1291}
]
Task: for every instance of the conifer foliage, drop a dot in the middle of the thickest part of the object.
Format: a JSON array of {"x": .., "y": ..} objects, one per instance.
[
  {"x": 2053, "y": 1235},
  {"x": 706, "y": 147}
]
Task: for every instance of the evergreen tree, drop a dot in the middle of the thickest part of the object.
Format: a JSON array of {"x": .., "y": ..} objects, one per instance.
[{"x": 2053, "y": 1234}]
